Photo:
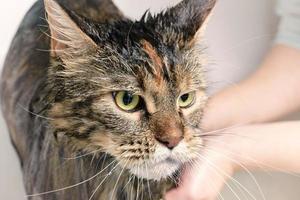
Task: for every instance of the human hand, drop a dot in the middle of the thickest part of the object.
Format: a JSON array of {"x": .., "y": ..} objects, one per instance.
[
  {"x": 205, "y": 177},
  {"x": 265, "y": 146}
]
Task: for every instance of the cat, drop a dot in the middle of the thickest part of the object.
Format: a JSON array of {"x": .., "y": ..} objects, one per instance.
[{"x": 102, "y": 107}]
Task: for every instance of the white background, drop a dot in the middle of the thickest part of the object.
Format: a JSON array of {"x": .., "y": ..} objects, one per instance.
[{"x": 238, "y": 36}]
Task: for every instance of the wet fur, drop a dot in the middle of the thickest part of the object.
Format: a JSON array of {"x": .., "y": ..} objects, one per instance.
[{"x": 56, "y": 111}]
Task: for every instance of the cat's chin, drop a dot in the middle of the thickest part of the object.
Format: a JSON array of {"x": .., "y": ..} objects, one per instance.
[{"x": 157, "y": 171}]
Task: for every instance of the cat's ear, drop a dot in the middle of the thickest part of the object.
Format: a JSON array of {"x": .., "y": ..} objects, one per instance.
[
  {"x": 67, "y": 39},
  {"x": 182, "y": 23}
]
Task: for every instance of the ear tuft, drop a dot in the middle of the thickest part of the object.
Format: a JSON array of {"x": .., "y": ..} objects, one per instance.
[{"x": 67, "y": 39}]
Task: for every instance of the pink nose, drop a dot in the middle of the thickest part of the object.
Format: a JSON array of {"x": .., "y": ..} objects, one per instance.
[
  {"x": 168, "y": 129},
  {"x": 170, "y": 141}
]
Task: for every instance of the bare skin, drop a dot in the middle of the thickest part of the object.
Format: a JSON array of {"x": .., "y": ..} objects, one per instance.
[{"x": 269, "y": 94}]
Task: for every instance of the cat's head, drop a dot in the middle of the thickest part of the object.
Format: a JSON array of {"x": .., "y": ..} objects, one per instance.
[{"x": 134, "y": 90}]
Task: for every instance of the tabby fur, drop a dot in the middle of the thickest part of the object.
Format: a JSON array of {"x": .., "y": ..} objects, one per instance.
[{"x": 56, "y": 97}]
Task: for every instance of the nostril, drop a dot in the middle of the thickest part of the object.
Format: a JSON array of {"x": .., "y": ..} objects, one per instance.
[
  {"x": 167, "y": 144},
  {"x": 170, "y": 142}
]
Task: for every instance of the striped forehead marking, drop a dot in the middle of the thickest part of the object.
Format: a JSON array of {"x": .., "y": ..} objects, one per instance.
[{"x": 155, "y": 58}]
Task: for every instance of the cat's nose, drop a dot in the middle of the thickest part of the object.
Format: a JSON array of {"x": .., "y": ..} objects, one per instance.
[
  {"x": 170, "y": 134},
  {"x": 170, "y": 141},
  {"x": 168, "y": 129}
]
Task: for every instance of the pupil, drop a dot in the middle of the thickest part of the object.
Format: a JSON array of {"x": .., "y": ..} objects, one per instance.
[
  {"x": 127, "y": 99},
  {"x": 184, "y": 97}
]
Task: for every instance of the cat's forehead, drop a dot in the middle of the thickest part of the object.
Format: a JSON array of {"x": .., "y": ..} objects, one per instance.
[
  {"x": 139, "y": 56},
  {"x": 139, "y": 43},
  {"x": 159, "y": 63},
  {"x": 161, "y": 66},
  {"x": 167, "y": 71}
]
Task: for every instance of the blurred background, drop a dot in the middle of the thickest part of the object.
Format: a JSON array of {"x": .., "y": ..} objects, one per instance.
[{"x": 238, "y": 36}]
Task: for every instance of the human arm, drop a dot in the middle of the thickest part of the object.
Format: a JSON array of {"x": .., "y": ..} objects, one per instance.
[{"x": 272, "y": 92}]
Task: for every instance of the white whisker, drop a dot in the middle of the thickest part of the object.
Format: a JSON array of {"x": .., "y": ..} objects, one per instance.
[
  {"x": 71, "y": 186},
  {"x": 118, "y": 179},
  {"x": 108, "y": 174}
]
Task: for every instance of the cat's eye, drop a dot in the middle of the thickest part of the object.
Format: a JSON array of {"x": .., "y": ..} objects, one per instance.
[
  {"x": 127, "y": 101},
  {"x": 186, "y": 100}
]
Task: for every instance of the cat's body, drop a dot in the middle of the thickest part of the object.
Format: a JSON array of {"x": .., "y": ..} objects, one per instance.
[
  {"x": 44, "y": 163},
  {"x": 31, "y": 102}
]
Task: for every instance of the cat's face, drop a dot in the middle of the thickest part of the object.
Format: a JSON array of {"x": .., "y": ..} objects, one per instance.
[{"x": 134, "y": 90}]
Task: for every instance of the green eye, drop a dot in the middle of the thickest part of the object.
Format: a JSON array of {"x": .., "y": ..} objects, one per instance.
[
  {"x": 127, "y": 101},
  {"x": 186, "y": 100}
]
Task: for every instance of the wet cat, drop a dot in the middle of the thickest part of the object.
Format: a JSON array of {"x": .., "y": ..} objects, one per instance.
[{"x": 102, "y": 107}]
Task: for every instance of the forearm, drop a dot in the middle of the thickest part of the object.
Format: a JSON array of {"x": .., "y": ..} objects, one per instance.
[
  {"x": 268, "y": 146},
  {"x": 270, "y": 93}
]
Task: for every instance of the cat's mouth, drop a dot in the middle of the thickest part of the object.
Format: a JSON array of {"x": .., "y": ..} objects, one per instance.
[
  {"x": 157, "y": 171},
  {"x": 164, "y": 164}
]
